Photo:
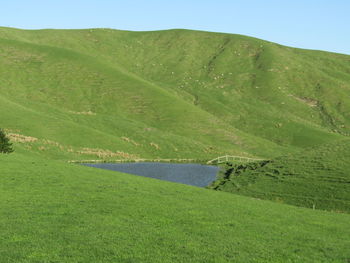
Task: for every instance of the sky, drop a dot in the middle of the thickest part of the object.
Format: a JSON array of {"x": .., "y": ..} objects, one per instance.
[{"x": 311, "y": 24}]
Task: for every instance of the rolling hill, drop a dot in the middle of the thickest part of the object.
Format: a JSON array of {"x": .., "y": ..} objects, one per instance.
[
  {"x": 169, "y": 94},
  {"x": 103, "y": 94}
]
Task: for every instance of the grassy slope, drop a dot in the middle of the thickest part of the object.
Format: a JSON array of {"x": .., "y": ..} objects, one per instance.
[
  {"x": 77, "y": 214},
  {"x": 233, "y": 94},
  {"x": 89, "y": 94},
  {"x": 317, "y": 177}
]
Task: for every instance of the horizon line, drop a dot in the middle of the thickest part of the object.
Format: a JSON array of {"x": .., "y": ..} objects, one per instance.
[{"x": 170, "y": 29}]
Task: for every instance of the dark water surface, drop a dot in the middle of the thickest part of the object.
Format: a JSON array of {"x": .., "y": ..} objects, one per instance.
[{"x": 191, "y": 174}]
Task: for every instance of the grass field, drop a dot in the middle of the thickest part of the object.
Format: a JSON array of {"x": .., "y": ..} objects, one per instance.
[
  {"x": 106, "y": 95},
  {"x": 54, "y": 212}
]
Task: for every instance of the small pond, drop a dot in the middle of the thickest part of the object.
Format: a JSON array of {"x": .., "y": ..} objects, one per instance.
[{"x": 191, "y": 174}]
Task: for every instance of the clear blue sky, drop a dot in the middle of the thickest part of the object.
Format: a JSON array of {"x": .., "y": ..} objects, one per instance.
[{"x": 312, "y": 24}]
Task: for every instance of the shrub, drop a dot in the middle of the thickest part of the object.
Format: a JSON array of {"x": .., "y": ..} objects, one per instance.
[{"x": 5, "y": 144}]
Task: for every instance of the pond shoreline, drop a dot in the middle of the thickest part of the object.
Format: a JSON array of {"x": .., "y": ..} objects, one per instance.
[
  {"x": 195, "y": 161},
  {"x": 194, "y": 174}
]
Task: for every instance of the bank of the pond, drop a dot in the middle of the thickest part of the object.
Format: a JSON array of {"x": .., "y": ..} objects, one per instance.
[
  {"x": 192, "y": 174},
  {"x": 143, "y": 160}
]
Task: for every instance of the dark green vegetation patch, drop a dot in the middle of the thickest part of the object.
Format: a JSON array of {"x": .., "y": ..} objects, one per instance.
[{"x": 5, "y": 144}]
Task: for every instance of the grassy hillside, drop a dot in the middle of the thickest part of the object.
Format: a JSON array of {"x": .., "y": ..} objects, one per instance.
[
  {"x": 55, "y": 212},
  {"x": 316, "y": 178},
  {"x": 170, "y": 94},
  {"x": 108, "y": 94}
]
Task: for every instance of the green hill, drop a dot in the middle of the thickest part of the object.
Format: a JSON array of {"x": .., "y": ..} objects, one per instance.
[
  {"x": 316, "y": 178},
  {"x": 102, "y": 94},
  {"x": 169, "y": 94}
]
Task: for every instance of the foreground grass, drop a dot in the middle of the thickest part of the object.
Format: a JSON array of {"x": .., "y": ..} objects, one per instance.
[
  {"x": 56, "y": 212},
  {"x": 316, "y": 178}
]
